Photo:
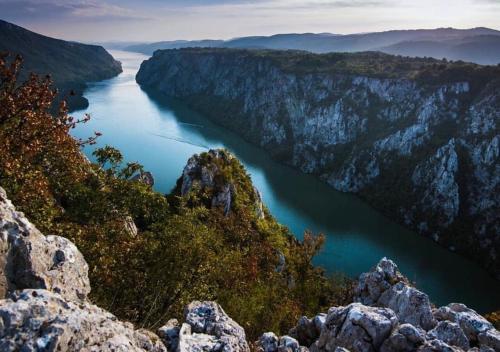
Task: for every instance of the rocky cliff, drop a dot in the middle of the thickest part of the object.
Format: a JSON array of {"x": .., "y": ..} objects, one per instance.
[
  {"x": 417, "y": 138},
  {"x": 46, "y": 308}
]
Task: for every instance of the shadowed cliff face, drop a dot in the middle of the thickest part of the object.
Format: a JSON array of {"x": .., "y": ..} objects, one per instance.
[
  {"x": 71, "y": 65},
  {"x": 418, "y": 138}
]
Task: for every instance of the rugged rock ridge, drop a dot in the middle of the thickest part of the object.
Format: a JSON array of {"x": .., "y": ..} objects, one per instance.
[
  {"x": 422, "y": 144},
  {"x": 388, "y": 315},
  {"x": 54, "y": 314}
]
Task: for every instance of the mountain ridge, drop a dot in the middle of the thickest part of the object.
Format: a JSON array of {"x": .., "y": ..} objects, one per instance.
[{"x": 386, "y": 41}]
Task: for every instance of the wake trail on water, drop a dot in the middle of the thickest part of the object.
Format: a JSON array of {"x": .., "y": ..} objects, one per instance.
[
  {"x": 180, "y": 140},
  {"x": 191, "y": 124}
]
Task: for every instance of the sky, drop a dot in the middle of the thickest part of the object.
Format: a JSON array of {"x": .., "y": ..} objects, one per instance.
[{"x": 154, "y": 20}]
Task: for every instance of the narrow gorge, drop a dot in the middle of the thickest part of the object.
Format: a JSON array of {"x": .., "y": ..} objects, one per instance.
[{"x": 417, "y": 139}]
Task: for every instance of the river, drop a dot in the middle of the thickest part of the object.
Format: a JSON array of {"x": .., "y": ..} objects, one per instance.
[{"x": 162, "y": 135}]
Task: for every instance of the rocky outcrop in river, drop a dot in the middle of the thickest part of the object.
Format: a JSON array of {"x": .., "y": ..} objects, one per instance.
[
  {"x": 209, "y": 174},
  {"x": 46, "y": 308},
  {"x": 418, "y": 139}
]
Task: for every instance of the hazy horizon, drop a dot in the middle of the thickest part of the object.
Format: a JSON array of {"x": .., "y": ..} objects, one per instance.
[{"x": 156, "y": 20}]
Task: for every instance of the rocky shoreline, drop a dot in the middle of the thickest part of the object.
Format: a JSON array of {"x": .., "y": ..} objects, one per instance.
[{"x": 45, "y": 307}]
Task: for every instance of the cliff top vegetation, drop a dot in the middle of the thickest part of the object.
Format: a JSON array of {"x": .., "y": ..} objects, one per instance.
[{"x": 369, "y": 63}]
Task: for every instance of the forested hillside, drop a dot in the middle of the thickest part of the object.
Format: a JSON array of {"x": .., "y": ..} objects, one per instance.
[{"x": 71, "y": 65}]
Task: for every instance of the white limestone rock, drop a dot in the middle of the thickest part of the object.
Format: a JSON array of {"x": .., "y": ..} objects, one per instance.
[
  {"x": 268, "y": 342},
  {"x": 410, "y": 305},
  {"x": 208, "y": 318},
  {"x": 40, "y": 320},
  {"x": 169, "y": 334},
  {"x": 469, "y": 320},
  {"x": 356, "y": 327},
  {"x": 288, "y": 344},
  {"x": 450, "y": 333},
  {"x": 405, "y": 338},
  {"x": 490, "y": 339},
  {"x": 28, "y": 259}
]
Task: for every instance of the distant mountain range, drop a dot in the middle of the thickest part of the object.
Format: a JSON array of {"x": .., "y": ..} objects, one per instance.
[
  {"x": 479, "y": 45},
  {"x": 70, "y": 64}
]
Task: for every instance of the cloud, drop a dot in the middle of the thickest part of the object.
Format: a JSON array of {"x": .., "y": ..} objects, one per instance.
[
  {"x": 94, "y": 20},
  {"x": 282, "y": 3},
  {"x": 269, "y": 8},
  {"x": 22, "y": 10},
  {"x": 326, "y": 4}
]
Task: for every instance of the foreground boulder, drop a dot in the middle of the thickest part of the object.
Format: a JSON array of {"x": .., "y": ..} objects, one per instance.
[
  {"x": 385, "y": 286},
  {"x": 450, "y": 333},
  {"x": 29, "y": 259},
  {"x": 169, "y": 333},
  {"x": 356, "y": 327},
  {"x": 469, "y": 321},
  {"x": 405, "y": 338},
  {"x": 208, "y": 328},
  {"x": 40, "y": 320},
  {"x": 308, "y": 330}
]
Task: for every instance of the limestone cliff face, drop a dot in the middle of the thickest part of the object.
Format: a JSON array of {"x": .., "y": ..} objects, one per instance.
[{"x": 424, "y": 152}]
